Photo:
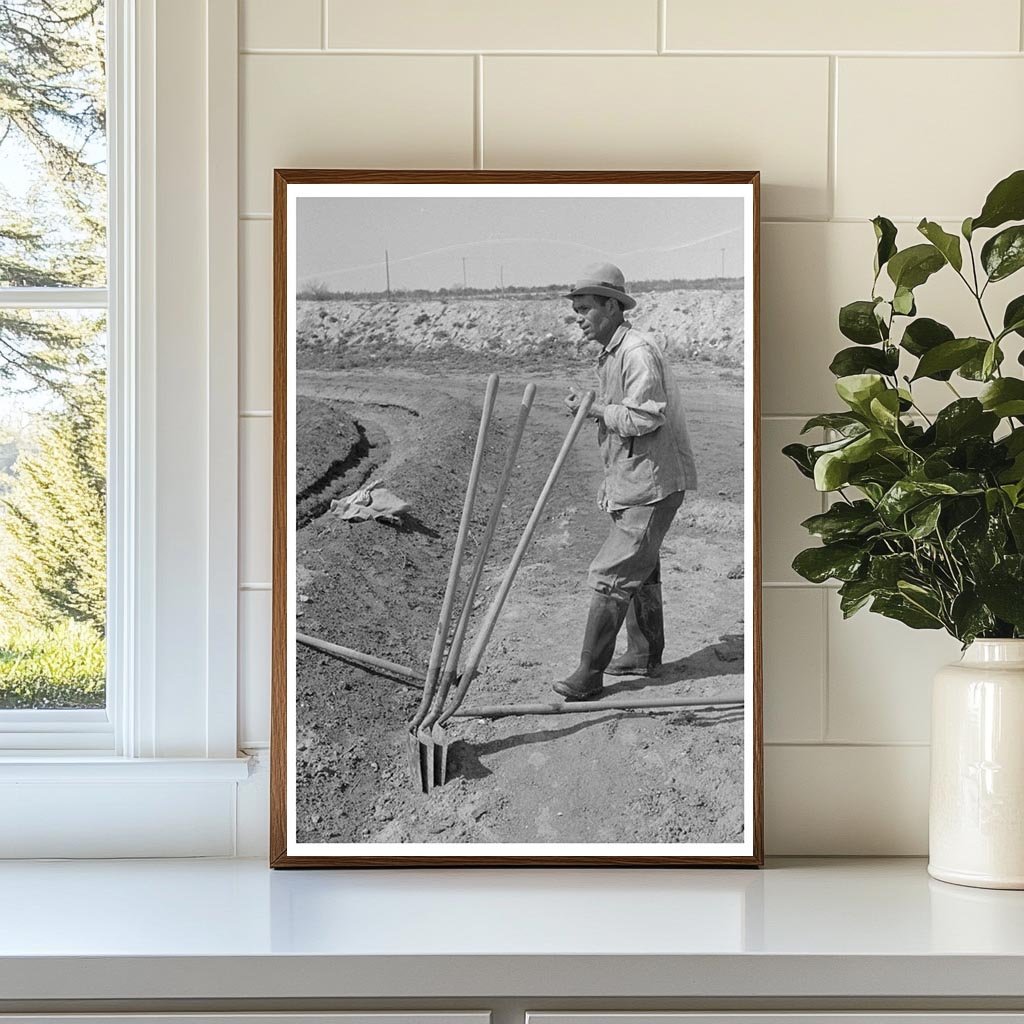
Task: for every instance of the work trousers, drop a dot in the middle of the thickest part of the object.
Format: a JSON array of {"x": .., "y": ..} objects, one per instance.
[{"x": 632, "y": 548}]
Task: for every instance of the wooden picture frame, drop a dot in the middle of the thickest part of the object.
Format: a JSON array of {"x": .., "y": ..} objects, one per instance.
[{"x": 397, "y": 294}]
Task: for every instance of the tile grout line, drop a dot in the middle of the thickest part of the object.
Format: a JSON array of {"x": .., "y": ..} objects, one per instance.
[
  {"x": 826, "y": 649},
  {"x": 478, "y": 111},
  {"x": 768, "y": 55},
  {"x": 831, "y": 171},
  {"x": 257, "y": 215},
  {"x": 824, "y": 714},
  {"x": 797, "y": 585},
  {"x": 854, "y": 744}
]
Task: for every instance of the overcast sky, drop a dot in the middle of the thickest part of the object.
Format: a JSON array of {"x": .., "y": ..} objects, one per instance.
[{"x": 341, "y": 241}]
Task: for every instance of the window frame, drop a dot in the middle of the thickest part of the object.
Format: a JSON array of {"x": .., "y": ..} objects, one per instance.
[
  {"x": 173, "y": 432},
  {"x": 79, "y": 729}
]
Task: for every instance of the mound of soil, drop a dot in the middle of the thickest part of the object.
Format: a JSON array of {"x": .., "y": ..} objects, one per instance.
[
  {"x": 479, "y": 333},
  {"x": 652, "y": 777}
]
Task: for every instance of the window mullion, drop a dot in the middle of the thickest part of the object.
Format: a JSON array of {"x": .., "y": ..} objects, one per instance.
[{"x": 53, "y": 298}]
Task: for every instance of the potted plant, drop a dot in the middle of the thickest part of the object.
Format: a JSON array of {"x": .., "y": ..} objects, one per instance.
[{"x": 927, "y": 521}]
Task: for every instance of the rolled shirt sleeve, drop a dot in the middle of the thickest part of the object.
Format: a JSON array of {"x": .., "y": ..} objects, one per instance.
[{"x": 642, "y": 409}]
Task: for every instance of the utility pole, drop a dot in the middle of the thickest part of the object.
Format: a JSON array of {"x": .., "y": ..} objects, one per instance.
[
  {"x": 463, "y": 271},
  {"x": 387, "y": 273}
]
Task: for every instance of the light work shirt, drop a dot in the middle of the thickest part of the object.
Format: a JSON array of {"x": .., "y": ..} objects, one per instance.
[{"x": 643, "y": 437}]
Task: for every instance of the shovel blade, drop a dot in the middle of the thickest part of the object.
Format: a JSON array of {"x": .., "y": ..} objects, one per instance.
[
  {"x": 417, "y": 762},
  {"x": 439, "y": 739},
  {"x": 426, "y": 745}
]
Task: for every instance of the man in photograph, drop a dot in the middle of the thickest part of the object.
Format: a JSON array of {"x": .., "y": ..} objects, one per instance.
[{"x": 648, "y": 467}]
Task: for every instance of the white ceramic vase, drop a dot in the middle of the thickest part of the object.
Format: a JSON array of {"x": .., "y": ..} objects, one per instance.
[{"x": 976, "y": 812}]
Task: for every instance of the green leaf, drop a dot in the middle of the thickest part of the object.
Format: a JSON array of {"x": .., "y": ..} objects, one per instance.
[
  {"x": 1005, "y": 596},
  {"x": 904, "y": 495},
  {"x": 965, "y": 229},
  {"x": 903, "y": 302},
  {"x": 974, "y": 368},
  {"x": 1014, "y": 441},
  {"x": 831, "y": 471},
  {"x": 1015, "y": 520},
  {"x": 818, "y": 450},
  {"x": 887, "y": 570},
  {"x": 864, "y": 446},
  {"x": 885, "y": 237},
  {"x": 950, "y": 355},
  {"x": 964, "y": 482},
  {"x": 1013, "y": 317},
  {"x": 885, "y": 409},
  {"x": 887, "y": 470},
  {"x": 925, "y": 518},
  {"x": 1003, "y": 254},
  {"x": 970, "y": 617},
  {"x": 799, "y": 455},
  {"x": 850, "y": 361},
  {"x": 897, "y": 607},
  {"x": 1017, "y": 326},
  {"x": 966, "y": 417},
  {"x": 990, "y": 360},
  {"x": 1005, "y": 202},
  {"x": 841, "y": 421},
  {"x": 1013, "y": 474},
  {"x": 947, "y": 244},
  {"x": 912, "y": 267},
  {"x": 857, "y": 321},
  {"x": 841, "y": 561},
  {"x": 843, "y": 521},
  {"x": 925, "y": 334},
  {"x": 994, "y": 499},
  {"x": 854, "y": 595},
  {"x": 981, "y": 537},
  {"x": 1004, "y": 397},
  {"x": 858, "y": 389}
]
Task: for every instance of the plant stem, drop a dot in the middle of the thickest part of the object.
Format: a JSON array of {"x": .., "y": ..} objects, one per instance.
[{"x": 924, "y": 415}]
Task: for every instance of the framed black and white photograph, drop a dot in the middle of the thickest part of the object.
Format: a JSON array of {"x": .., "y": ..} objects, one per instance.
[{"x": 516, "y": 611}]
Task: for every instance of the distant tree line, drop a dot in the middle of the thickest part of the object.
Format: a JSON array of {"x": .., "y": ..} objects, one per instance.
[
  {"x": 320, "y": 292},
  {"x": 53, "y": 493}
]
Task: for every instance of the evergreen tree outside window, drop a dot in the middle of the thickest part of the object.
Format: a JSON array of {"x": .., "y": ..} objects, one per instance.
[{"x": 53, "y": 381}]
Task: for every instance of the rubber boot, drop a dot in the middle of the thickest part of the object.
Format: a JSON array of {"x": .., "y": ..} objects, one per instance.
[
  {"x": 603, "y": 623},
  {"x": 645, "y": 635}
]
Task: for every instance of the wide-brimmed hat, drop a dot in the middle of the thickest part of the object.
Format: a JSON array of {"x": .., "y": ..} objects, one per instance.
[{"x": 602, "y": 279}]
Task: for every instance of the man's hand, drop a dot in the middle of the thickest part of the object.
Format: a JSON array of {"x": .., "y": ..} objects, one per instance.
[{"x": 574, "y": 399}]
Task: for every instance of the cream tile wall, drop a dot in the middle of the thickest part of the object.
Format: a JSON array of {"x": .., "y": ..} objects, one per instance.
[{"x": 907, "y": 110}]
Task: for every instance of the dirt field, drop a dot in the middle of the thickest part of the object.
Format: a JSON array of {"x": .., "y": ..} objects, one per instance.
[{"x": 672, "y": 776}]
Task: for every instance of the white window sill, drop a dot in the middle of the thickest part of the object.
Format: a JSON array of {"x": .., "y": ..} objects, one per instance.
[{"x": 82, "y": 767}]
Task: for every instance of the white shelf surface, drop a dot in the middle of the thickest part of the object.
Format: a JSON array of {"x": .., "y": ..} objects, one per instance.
[{"x": 233, "y": 929}]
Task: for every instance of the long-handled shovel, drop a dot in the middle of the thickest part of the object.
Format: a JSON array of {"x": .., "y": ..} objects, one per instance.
[
  {"x": 490, "y": 620},
  {"x": 421, "y": 756},
  {"x": 451, "y": 666}
]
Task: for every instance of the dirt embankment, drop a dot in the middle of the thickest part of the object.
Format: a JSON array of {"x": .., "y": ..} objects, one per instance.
[
  {"x": 615, "y": 777},
  {"x": 472, "y": 332}
]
